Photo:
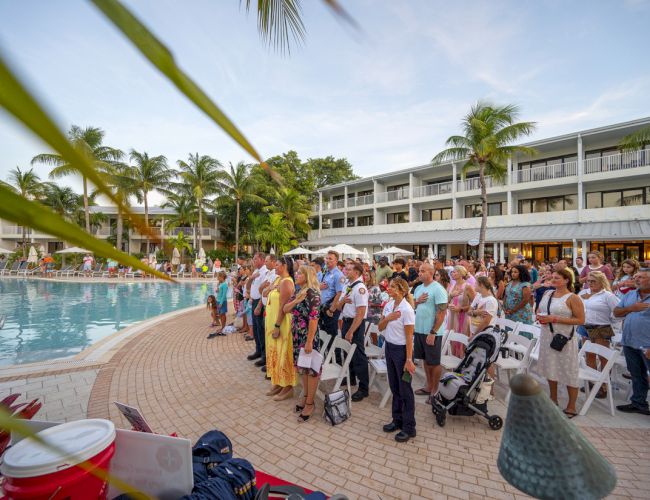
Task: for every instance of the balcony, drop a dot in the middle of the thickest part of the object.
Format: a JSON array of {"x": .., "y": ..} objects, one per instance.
[
  {"x": 361, "y": 200},
  {"x": 474, "y": 183},
  {"x": 545, "y": 173},
  {"x": 433, "y": 189},
  {"x": 620, "y": 161},
  {"x": 396, "y": 195},
  {"x": 336, "y": 204}
]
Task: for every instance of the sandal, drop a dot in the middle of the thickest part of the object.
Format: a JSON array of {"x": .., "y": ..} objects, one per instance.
[
  {"x": 299, "y": 408},
  {"x": 422, "y": 392},
  {"x": 304, "y": 418},
  {"x": 570, "y": 414}
]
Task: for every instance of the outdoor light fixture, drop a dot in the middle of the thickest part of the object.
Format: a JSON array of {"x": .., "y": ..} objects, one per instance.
[{"x": 544, "y": 454}]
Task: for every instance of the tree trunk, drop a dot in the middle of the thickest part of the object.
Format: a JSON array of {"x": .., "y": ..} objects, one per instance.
[
  {"x": 24, "y": 241},
  {"x": 86, "y": 211},
  {"x": 200, "y": 231},
  {"x": 237, "y": 233},
  {"x": 484, "y": 214},
  {"x": 118, "y": 236}
]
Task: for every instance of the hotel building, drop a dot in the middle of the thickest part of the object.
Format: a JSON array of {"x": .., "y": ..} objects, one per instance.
[{"x": 578, "y": 193}]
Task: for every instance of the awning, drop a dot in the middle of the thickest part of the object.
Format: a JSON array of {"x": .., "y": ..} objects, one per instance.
[{"x": 612, "y": 230}]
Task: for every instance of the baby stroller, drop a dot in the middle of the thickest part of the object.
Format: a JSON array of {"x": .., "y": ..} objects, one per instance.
[{"x": 466, "y": 390}]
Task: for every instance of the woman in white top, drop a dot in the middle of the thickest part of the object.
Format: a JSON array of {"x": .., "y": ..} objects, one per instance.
[
  {"x": 559, "y": 312},
  {"x": 397, "y": 324},
  {"x": 599, "y": 309},
  {"x": 483, "y": 311}
]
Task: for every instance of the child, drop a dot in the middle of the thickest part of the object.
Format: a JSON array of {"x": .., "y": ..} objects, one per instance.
[
  {"x": 222, "y": 298},
  {"x": 212, "y": 307}
]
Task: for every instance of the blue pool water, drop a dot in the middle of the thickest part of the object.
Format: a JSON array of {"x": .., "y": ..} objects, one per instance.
[{"x": 47, "y": 319}]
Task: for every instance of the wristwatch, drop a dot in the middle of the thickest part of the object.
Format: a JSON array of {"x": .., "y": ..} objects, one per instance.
[{"x": 276, "y": 325}]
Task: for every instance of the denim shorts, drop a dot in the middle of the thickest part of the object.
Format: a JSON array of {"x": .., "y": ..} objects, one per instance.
[{"x": 223, "y": 308}]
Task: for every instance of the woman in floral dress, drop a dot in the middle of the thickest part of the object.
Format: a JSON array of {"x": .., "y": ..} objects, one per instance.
[
  {"x": 305, "y": 306},
  {"x": 516, "y": 304}
]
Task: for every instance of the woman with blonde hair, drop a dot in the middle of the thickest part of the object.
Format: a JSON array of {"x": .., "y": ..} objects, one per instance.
[
  {"x": 398, "y": 325},
  {"x": 305, "y": 309},
  {"x": 461, "y": 295}
]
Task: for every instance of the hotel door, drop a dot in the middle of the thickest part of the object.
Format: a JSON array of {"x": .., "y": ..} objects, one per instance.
[
  {"x": 634, "y": 251},
  {"x": 539, "y": 253}
]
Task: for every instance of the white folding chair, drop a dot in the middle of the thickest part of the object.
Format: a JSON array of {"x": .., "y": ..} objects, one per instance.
[
  {"x": 378, "y": 369},
  {"x": 598, "y": 378},
  {"x": 519, "y": 349},
  {"x": 372, "y": 350},
  {"x": 507, "y": 325},
  {"x": 448, "y": 360},
  {"x": 530, "y": 332},
  {"x": 333, "y": 371},
  {"x": 324, "y": 338}
]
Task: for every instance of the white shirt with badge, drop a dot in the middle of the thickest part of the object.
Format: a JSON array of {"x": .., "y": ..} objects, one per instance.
[
  {"x": 255, "y": 285},
  {"x": 394, "y": 332},
  {"x": 270, "y": 277},
  {"x": 359, "y": 296}
]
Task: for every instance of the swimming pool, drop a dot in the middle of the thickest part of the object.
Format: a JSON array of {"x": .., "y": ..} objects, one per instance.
[{"x": 48, "y": 319}]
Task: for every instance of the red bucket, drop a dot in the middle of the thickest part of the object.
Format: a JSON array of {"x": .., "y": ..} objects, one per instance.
[{"x": 32, "y": 471}]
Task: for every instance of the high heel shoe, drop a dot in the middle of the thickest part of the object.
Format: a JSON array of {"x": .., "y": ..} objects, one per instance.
[
  {"x": 299, "y": 408},
  {"x": 304, "y": 418}
]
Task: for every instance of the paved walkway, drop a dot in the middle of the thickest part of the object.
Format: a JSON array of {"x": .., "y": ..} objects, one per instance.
[{"x": 185, "y": 383}]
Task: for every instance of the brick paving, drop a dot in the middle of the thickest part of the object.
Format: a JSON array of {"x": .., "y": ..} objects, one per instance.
[{"x": 185, "y": 383}]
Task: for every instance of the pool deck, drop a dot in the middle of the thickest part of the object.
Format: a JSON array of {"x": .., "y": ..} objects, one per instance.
[{"x": 187, "y": 384}]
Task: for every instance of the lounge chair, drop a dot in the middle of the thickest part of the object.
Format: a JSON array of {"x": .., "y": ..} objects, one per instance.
[
  {"x": 179, "y": 272},
  {"x": 3, "y": 265},
  {"x": 60, "y": 272},
  {"x": 21, "y": 266},
  {"x": 73, "y": 271},
  {"x": 97, "y": 272},
  {"x": 7, "y": 269}
]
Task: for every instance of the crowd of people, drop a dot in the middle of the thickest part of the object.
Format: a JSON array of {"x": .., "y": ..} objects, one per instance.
[{"x": 284, "y": 303}]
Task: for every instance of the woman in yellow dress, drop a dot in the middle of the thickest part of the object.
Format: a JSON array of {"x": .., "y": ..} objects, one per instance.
[{"x": 279, "y": 342}]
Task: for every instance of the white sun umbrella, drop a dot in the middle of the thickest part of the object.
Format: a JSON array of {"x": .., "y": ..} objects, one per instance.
[
  {"x": 394, "y": 251},
  {"x": 298, "y": 251},
  {"x": 344, "y": 249},
  {"x": 322, "y": 251},
  {"x": 33, "y": 255},
  {"x": 366, "y": 255},
  {"x": 430, "y": 255},
  {"x": 176, "y": 257},
  {"x": 272, "y": 252},
  {"x": 74, "y": 250},
  {"x": 6, "y": 251}
]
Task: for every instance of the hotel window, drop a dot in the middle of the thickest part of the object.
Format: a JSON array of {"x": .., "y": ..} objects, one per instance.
[
  {"x": 496, "y": 208},
  {"x": 549, "y": 204},
  {"x": 365, "y": 220},
  {"x": 350, "y": 221},
  {"x": 365, "y": 193},
  {"x": 398, "y": 188},
  {"x": 397, "y": 218},
  {"x": 337, "y": 223},
  {"x": 431, "y": 214},
  {"x": 338, "y": 197},
  {"x": 619, "y": 198}
]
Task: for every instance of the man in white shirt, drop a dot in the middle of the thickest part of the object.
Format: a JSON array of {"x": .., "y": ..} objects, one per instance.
[
  {"x": 253, "y": 286},
  {"x": 354, "y": 312}
]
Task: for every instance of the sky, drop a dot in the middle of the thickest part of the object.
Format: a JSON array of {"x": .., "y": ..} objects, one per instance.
[{"x": 384, "y": 96}]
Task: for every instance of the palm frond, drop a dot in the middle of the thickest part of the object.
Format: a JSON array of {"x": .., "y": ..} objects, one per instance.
[
  {"x": 279, "y": 21},
  {"x": 637, "y": 140},
  {"x": 451, "y": 154}
]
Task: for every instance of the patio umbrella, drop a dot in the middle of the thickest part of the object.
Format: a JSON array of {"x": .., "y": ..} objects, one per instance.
[
  {"x": 6, "y": 251},
  {"x": 73, "y": 250},
  {"x": 298, "y": 251},
  {"x": 394, "y": 251},
  {"x": 430, "y": 255},
  {"x": 176, "y": 257},
  {"x": 33, "y": 255},
  {"x": 344, "y": 249},
  {"x": 272, "y": 252},
  {"x": 366, "y": 255},
  {"x": 322, "y": 251},
  {"x": 202, "y": 253}
]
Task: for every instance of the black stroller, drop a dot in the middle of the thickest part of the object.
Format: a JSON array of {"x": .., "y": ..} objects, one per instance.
[{"x": 466, "y": 390}]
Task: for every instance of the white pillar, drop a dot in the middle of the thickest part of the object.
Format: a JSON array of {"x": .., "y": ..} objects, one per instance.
[
  {"x": 509, "y": 186},
  {"x": 320, "y": 213},
  {"x": 454, "y": 206},
  {"x": 435, "y": 250},
  {"x": 345, "y": 206},
  {"x": 584, "y": 252},
  {"x": 502, "y": 252},
  {"x": 580, "y": 171},
  {"x": 495, "y": 251},
  {"x": 575, "y": 251},
  {"x": 412, "y": 215}
]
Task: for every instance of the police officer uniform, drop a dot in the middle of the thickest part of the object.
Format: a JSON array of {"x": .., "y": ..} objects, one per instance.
[
  {"x": 357, "y": 291},
  {"x": 334, "y": 280}
]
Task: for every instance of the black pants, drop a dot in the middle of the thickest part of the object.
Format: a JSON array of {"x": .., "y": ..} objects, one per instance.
[
  {"x": 258, "y": 331},
  {"x": 330, "y": 325},
  {"x": 403, "y": 398},
  {"x": 359, "y": 364}
]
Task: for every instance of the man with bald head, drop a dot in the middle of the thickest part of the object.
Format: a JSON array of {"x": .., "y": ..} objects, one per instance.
[{"x": 430, "y": 310}]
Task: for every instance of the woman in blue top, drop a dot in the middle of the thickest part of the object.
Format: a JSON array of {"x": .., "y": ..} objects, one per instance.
[{"x": 516, "y": 304}]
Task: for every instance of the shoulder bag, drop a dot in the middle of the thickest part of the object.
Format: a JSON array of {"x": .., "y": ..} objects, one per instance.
[{"x": 337, "y": 410}]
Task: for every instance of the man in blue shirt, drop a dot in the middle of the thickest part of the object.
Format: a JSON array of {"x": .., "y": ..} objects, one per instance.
[
  {"x": 331, "y": 288},
  {"x": 635, "y": 308},
  {"x": 430, "y": 310}
]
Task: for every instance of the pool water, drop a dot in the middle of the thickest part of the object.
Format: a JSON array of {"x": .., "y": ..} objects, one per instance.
[{"x": 47, "y": 319}]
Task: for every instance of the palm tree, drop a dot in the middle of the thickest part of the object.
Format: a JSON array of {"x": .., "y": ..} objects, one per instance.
[
  {"x": 62, "y": 200},
  {"x": 294, "y": 207},
  {"x": 180, "y": 243},
  {"x": 637, "y": 140},
  {"x": 88, "y": 141},
  {"x": 149, "y": 174},
  {"x": 28, "y": 185},
  {"x": 120, "y": 178},
  {"x": 237, "y": 185},
  {"x": 256, "y": 224},
  {"x": 199, "y": 174},
  {"x": 277, "y": 234},
  {"x": 489, "y": 131}
]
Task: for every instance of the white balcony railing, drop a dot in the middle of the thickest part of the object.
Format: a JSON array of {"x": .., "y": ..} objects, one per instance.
[
  {"x": 358, "y": 201},
  {"x": 334, "y": 204},
  {"x": 546, "y": 172},
  {"x": 620, "y": 161},
  {"x": 396, "y": 195},
  {"x": 475, "y": 183},
  {"x": 432, "y": 189}
]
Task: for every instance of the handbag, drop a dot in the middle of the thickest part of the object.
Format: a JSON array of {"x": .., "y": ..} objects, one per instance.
[
  {"x": 337, "y": 410},
  {"x": 559, "y": 341}
]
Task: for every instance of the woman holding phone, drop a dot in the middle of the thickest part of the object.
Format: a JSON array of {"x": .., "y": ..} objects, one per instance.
[{"x": 398, "y": 324}]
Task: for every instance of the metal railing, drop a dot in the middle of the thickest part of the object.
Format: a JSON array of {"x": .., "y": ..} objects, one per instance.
[
  {"x": 619, "y": 161},
  {"x": 432, "y": 189},
  {"x": 475, "y": 183},
  {"x": 545, "y": 172},
  {"x": 358, "y": 201},
  {"x": 396, "y": 195},
  {"x": 337, "y": 204}
]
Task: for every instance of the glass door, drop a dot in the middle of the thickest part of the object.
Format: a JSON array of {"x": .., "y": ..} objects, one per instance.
[
  {"x": 539, "y": 253},
  {"x": 633, "y": 251}
]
